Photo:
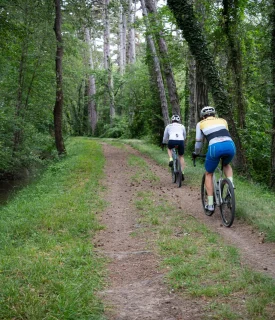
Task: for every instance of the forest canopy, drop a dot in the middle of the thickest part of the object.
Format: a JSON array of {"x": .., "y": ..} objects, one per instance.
[{"x": 120, "y": 68}]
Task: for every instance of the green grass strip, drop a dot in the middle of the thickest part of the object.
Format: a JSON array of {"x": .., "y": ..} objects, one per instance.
[{"x": 48, "y": 268}]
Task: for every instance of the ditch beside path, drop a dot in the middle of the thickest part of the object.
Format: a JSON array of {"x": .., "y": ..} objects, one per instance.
[{"x": 137, "y": 288}]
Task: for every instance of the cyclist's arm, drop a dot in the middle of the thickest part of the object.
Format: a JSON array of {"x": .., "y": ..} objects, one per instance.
[
  {"x": 165, "y": 136},
  {"x": 184, "y": 133},
  {"x": 199, "y": 139}
]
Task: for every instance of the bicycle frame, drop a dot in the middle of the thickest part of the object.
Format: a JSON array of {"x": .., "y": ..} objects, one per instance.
[{"x": 223, "y": 193}]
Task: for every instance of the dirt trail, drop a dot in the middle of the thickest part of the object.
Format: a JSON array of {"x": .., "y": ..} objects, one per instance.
[{"x": 137, "y": 289}]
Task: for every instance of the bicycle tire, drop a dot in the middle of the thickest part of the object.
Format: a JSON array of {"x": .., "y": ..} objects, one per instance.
[
  {"x": 204, "y": 197},
  {"x": 174, "y": 176},
  {"x": 227, "y": 207},
  {"x": 179, "y": 173}
]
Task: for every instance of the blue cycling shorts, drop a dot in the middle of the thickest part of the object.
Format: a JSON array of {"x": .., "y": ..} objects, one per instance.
[{"x": 216, "y": 151}]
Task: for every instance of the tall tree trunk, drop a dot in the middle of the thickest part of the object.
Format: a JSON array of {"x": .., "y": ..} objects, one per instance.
[
  {"x": 167, "y": 69},
  {"x": 230, "y": 14},
  {"x": 131, "y": 37},
  {"x": 107, "y": 59},
  {"x": 91, "y": 86},
  {"x": 122, "y": 40},
  {"x": 198, "y": 92},
  {"x": 59, "y": 91},
  {"x": 184, "y": 14},
  {"x": 160, "y": 84},
  {"x": 272, "y": 176}
]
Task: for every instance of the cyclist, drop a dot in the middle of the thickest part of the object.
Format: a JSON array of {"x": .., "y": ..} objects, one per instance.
[
  {"x": 175, "y": 134},
  {"x": 215, "y": 130}
]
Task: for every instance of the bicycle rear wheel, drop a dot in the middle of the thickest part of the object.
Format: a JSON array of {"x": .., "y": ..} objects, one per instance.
[
  {"x": 179, "y": 173},
  {"x": 204, "y": 197},
  {"x": 174, "y": 176},
  {"x": 227, "y": 207}
]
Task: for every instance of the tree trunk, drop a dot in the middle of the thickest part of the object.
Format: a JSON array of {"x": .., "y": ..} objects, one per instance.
[
  {"x": 160, "y": 84},
  {"x": 122, "y": 37},
  {"x": 230, "y": 13},
  {"x": 91, "y": 90},
  {"x": 131, "y": 40},
  {"x": 59, "y": 91},
  {"x": 192, "y": 31},
  {"x": 272, "y": 176},
  {"x": 167, "y": 69},
  {"x": 107, "y": 60}
]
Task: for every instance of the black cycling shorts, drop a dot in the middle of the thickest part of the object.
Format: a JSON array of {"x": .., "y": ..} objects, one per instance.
[{"x": 179, "y": 143}]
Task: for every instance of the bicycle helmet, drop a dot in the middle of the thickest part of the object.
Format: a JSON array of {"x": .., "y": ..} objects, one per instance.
[
  {"x": 175, "y": 117},
  {"x": 207, "y": 111}
]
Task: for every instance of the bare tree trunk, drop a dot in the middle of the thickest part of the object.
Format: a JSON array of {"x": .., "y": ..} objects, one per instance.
[
  {"x": 272, "y": 176},
  {"x": 59, "y": 91},
  {"x": 192, "y": 116},
  {"x": 107, "y": 59},
  {"x": 167, "y": 69},
  {"x": 91, "y": 90},
  {"x": 106, "y": 34},
  {"x": 198, "y": 93},
  {"x": 122, "y": 30},
  {"x": 131, "y": 44},
  {"x": 160, "y": 84}
]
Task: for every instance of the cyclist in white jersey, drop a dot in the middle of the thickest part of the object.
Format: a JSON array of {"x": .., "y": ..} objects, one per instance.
[{"x": 174, "y": 135}]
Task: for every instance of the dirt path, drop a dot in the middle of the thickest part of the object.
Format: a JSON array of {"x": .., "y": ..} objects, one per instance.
[{"x": 137, "y": 289}]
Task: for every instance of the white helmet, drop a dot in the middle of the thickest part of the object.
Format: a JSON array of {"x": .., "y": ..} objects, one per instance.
[
  {"x": 207, "y": 111},
  {"x": 175, "y": 117}
]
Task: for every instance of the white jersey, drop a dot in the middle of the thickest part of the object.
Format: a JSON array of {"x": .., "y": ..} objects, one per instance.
[{"x": 174, "y": 131}]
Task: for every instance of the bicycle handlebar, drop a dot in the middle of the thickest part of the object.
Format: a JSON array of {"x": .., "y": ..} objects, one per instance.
[{"x": 194, "y": 156}]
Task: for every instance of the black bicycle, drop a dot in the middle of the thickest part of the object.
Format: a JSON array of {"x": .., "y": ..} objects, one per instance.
[
  {"x": 224, "y": 195},
  {"x": 176, "y": 168}
]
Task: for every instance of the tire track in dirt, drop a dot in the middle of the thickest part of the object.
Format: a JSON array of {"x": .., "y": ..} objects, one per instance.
[{"x": 136, "y": 287}]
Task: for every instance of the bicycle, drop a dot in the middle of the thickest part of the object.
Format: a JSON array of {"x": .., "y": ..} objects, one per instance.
[
  {"x": 224, "y": 195},
  {"x": 176, "y": 168}
]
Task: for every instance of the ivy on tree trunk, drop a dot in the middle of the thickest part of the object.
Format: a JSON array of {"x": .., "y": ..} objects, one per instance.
[{"x": 187, "y": 22}]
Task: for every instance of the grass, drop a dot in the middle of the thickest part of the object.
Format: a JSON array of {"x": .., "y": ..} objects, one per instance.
[
  {"x": 201, "y": 266},
  {"x": 254, "y": 203},
  {"x": 48, "y": 268}
]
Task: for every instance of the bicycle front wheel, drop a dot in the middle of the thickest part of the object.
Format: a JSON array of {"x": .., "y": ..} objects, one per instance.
[
  {"x": 227, "y": 207},
  {"x": 204, "y": 198}
]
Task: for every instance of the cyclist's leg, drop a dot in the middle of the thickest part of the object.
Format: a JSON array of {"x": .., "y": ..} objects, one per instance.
[
  {"x": 211, "y": 163},
  {"x": 181, "y": 153},
  {"x": 229, "y": 151},
  {"x": 170, "y": 146}
]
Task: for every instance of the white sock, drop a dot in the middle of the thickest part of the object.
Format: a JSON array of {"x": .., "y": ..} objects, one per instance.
[{"x": 210, "y": 200}]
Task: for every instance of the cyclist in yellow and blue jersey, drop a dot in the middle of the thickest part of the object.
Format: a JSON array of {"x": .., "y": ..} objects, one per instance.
[
  {"x": 175, "y": 134},
  {"x": 220, "y": 145}
]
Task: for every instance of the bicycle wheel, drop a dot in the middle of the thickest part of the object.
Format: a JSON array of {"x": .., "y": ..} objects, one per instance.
[
  {"x": 204, "y": 197},
  {"x": 174, "y": 176},
  {"x": 227, "y": 207},
  {"x": 179, "y": 174}
]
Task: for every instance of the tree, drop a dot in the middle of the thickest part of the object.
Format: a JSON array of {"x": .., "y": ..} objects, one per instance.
[
  {"x": 231, "y": 20},
  {"x": 272, "y": 176},
  {"x": 165, "y": 60},
  {"x": 184, "y": 14},
  {"x": 91, "y": 86},
  {"x": 160, "y": 84},
  {"x": 59, "y": 90}
]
